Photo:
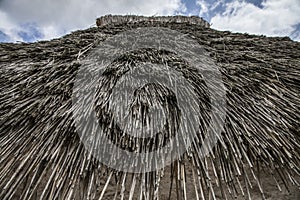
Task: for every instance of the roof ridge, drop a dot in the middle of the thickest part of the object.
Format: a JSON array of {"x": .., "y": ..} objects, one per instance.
[{"x": 120, "y": 19}]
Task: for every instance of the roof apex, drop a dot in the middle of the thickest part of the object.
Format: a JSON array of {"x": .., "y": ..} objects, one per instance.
[{"x": 120, "y": 19}]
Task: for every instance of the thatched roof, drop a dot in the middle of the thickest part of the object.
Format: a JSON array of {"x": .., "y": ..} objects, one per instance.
[{"x": 41, "y": 155}]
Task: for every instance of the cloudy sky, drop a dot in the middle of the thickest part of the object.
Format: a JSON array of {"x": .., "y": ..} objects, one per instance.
[{"x": 33, "y": 20}]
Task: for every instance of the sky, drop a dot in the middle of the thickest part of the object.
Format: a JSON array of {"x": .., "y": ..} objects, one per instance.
[{"x": 35, "y": 20}]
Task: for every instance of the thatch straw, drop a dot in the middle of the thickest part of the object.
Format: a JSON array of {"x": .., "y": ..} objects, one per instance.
[
  {"x": 41, "y": 155},
  {"x": 120, "y": 19}
]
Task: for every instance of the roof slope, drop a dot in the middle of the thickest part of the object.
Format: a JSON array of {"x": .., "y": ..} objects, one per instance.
[{"x": 42, "y": 156}]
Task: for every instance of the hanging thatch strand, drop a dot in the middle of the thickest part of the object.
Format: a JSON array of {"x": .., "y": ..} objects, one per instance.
[{"x": 42, "y": 157}]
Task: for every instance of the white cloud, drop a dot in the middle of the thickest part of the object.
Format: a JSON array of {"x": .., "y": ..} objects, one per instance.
[
  {"x": 204, "y": 7},
  {"x": 275, "y": 18},
  {"x": 8, "y": 27},
  {"x": 207, "y": 7},
  {"x": 56, "y": 17},
  {"x": 217, "y": 3}
]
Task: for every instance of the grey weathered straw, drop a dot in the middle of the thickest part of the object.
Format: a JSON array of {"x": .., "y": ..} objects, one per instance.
[{"x": 41, "y": 156}]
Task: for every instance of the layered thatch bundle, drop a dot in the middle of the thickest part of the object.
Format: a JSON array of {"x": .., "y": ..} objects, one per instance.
[{"x": 41, "y": 155}]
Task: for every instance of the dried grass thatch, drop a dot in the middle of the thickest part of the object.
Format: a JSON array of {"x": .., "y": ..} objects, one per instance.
[
  {"x": 41, "y": 155},
  {"x": 120, "y": 19}
]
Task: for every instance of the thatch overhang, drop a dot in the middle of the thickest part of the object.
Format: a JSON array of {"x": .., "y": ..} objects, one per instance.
[{"x": 41, "y": 155}]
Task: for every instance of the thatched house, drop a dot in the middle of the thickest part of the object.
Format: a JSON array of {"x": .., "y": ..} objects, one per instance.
[{"x": 42, "y": 156}]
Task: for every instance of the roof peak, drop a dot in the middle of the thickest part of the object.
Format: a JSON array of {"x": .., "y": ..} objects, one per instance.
[{"x": 120, "y": 19}]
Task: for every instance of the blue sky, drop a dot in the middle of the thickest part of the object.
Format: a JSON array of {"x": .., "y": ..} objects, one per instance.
[{"x": 33, "y": 20}]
